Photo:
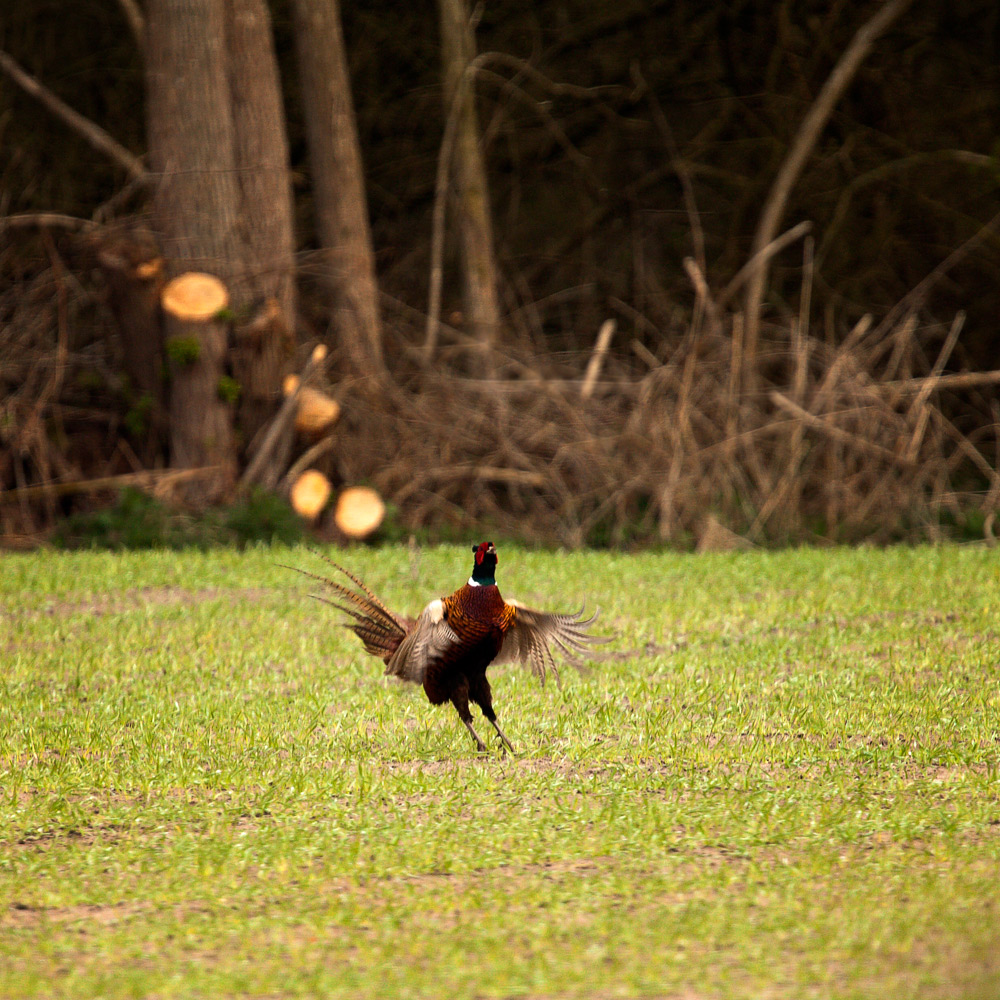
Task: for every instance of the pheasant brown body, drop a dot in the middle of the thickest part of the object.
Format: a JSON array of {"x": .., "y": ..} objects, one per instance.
[{"x": 449, "y": 647}]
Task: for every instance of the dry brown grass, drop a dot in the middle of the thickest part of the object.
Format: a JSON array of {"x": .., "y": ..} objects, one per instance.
[
  {"x": 817, "y": 439},
  {"x": 829, "y": 436}
]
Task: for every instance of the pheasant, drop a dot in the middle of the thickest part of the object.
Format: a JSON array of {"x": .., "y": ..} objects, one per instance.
[{"x": 448, "y": 648}]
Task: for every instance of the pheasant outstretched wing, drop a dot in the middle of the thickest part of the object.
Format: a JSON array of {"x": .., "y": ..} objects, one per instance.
[
  {"x": 531, "y": 634},
  {"x": 428, "y": 641}
]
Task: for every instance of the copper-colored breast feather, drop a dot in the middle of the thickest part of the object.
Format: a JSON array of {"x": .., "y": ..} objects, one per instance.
[{"x": 449, "y": 630}]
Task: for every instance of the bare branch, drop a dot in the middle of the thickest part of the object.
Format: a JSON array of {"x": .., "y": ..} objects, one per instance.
[
  {"x": 757, "y": 264},
  {"x": 136, "y": 22},
  {"x": 680, "y": 168},
  {"x": 809, "y": 131},
  {"x": 45, "y": 220},
  {"x": 84, "y": 127},
  {"x": 601, "y": 345},
  {"x": 826, "y": 427},
  {"x": 914, "y": 298},
  {"x": 156, "y": 481},
  {"x": 257, "y": 470},
  {"x": 437, "y": 226}
]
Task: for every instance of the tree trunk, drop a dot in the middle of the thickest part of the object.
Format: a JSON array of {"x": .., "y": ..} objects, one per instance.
[
  {"x": 191, "y": 141},
  {"x": 264, "y": 328},
  {"x": 196, "y": 207},
  {"x": 338, "y": 182},
  {"x": 223, "y": 205},
  {"x": 472, "y": 202}
]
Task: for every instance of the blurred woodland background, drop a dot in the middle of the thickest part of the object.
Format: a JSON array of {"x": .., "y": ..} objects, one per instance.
[{"x": 585, "y": 272}]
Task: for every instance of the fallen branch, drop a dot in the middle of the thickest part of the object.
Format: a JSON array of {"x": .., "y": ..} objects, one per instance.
[
  {"x": 306, "y": 459},
  {"x": 157, "y": 480},
  {"x": 45, "y": 220},
  {"x": 286, "y": 414},
  {"x": 961, "y": 380}
]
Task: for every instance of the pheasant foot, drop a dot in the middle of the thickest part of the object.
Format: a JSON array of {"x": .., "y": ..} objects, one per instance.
[
  {"x": 480, "y": 745},
  {"x": 503, "y": 736}
]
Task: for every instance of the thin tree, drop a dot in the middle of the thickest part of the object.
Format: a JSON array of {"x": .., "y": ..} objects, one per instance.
[
  {"x": 338, "y": 182},
  {"x": 471, "y": 199},
  {"x": 263, "y": 332},
  {"x": 791, "y": 168}
]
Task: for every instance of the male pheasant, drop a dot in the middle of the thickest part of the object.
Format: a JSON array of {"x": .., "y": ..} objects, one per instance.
[{"x": 449, "y": 646}]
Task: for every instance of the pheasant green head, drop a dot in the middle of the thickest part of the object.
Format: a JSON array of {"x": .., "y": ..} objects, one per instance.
[{"x": 484, "y": 568}]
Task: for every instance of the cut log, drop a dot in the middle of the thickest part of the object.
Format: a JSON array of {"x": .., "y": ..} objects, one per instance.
[
  {"x": 310, "y": 494},
  {"x": 359, "y": 511},
  {"x": 316, "y": 413},
  {"x": 263, "y": 467}
]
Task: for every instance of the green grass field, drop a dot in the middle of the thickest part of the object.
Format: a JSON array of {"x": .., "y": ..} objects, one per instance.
[{"x": 781, "y": 781}]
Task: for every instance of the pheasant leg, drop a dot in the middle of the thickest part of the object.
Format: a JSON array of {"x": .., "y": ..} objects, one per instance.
[
  {"x": 460, "y": 699},
  {"x": 479, "y": 691},
  {"x": 503, "y": 736}
]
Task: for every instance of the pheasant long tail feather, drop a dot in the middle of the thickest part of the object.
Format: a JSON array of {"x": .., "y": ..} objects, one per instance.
[
  {"x": 374, "y": 624},
  {"x": 369, "y": 604},
  {"x": 361, "y": 585}
]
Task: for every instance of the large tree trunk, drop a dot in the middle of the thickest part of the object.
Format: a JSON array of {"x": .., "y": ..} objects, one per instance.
[
  {"x": 472, "y": 201},
  {"x": 223, "y": 205},
  {"x": 263, "y": 331},
  {"x": 338, "y": 181},
  {"x": 191, "y": 142},
  {"x": 196, "y": 208}
]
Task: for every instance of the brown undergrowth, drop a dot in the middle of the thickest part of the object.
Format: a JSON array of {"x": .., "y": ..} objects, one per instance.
[
  {"x": 816, "y": 440},
  {"x": 829, "y": 436}
]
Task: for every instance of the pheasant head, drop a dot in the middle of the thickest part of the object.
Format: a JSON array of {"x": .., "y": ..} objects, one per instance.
[{"x": 484, "y": 568}]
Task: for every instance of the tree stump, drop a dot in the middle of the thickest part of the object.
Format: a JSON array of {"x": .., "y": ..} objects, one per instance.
[
  {"x": 201, "y": 395},
  {"x": 133, "y": 269}
]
